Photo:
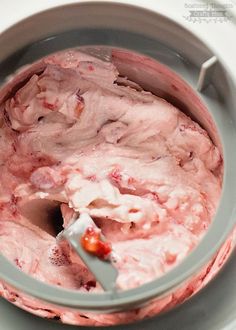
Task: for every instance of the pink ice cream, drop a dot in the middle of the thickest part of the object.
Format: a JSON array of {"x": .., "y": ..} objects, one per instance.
[{"x": 150, "y": 177}]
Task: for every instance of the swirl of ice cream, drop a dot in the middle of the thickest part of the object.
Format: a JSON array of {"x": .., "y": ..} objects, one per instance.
[{"x": 146, "y": 173}]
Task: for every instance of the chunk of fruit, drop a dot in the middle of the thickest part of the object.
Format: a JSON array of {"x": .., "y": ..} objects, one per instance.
[{"x": 91, "y": 242}]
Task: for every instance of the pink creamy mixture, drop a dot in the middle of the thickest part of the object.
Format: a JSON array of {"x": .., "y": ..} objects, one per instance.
[{"x": 148, "y": 175}]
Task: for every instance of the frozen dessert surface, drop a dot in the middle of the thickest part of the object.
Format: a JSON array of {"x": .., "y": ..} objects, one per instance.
[{"x": 148, "y": 175}]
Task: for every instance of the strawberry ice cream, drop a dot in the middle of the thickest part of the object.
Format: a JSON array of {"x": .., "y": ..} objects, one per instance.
[{"x": 77, "y": 135}]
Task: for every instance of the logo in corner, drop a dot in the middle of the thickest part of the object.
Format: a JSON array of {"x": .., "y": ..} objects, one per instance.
[{"x": 208, "y": 12}]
